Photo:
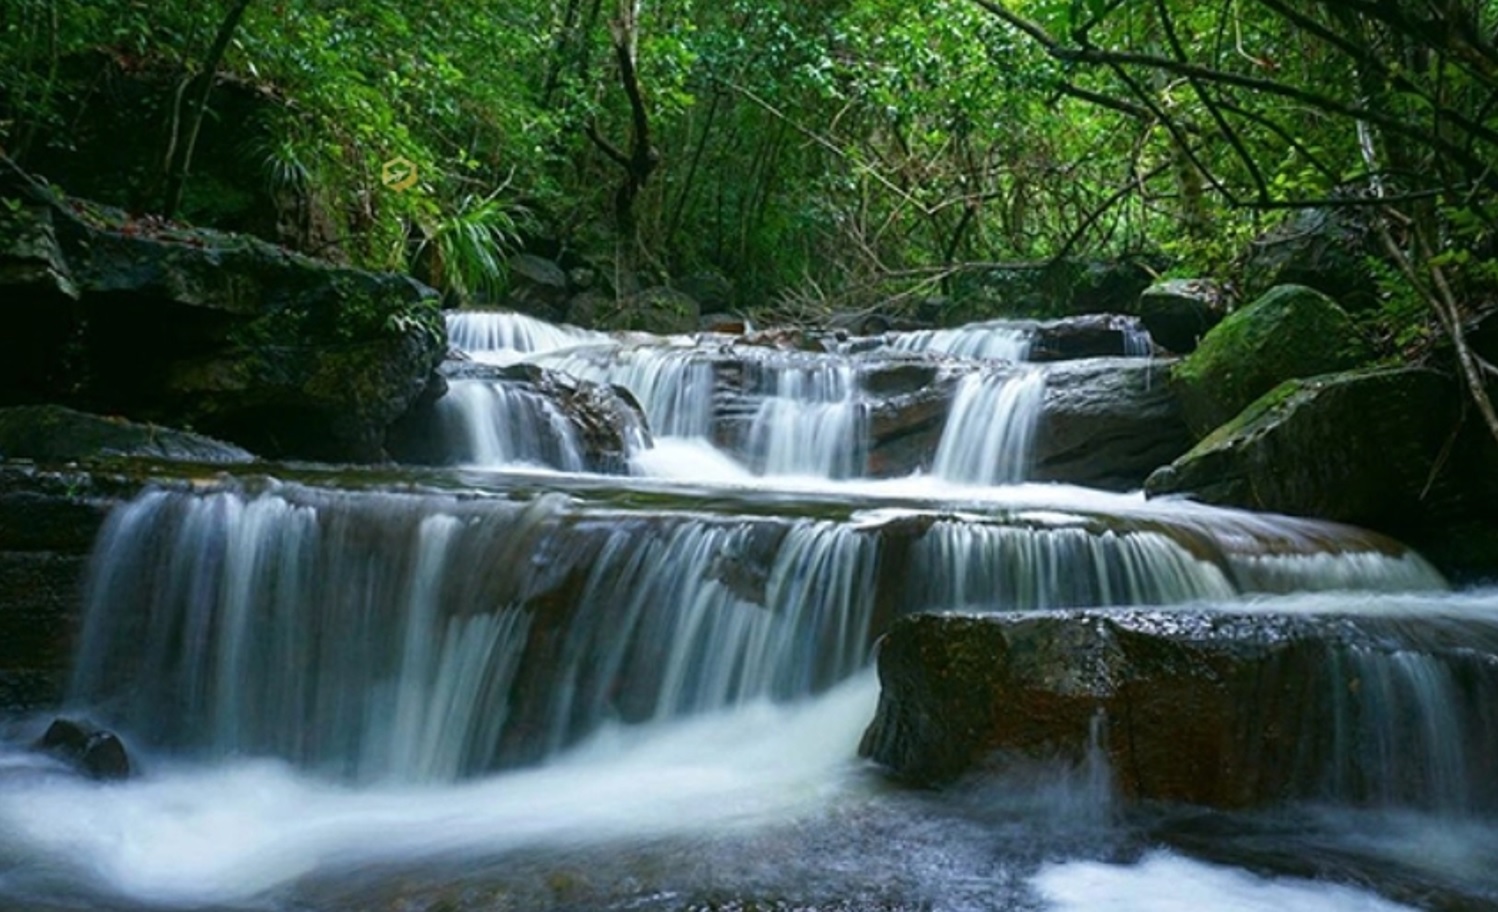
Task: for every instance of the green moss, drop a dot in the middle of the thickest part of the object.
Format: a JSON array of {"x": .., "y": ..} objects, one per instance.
[{"x": 1288, "y": 333}]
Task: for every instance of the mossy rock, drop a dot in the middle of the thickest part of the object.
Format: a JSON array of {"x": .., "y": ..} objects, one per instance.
[
  {"x": 52, "y": 433},
  {"x": 1288, "y": 333},
  {"x": 1384, "y": 448}
]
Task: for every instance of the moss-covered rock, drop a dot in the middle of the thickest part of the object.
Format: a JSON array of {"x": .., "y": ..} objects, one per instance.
[
  {"x": 1290, "y": 332},
  {"x": 53, "y": 433},
  {"x": 228, "y": 335},
  {"x": 1383, "y": 448}
]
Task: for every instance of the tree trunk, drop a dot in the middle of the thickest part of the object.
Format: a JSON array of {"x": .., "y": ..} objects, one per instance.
[{"x": 178, "y": 171}]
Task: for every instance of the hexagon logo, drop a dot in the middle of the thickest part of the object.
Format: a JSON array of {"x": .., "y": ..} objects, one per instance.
[{"x": 399, "y": 173}]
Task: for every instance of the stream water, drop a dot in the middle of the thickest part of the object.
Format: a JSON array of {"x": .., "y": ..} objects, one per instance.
[{"x": 511, "y": 684}]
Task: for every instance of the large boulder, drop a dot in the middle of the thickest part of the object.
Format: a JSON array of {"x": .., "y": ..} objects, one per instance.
[
  {"x": 1290, "y": 332},
  {"x": 53, "y": 433},
  {"x": 1088, "y": 336},
  {"x": 1384, "y": 448},
  {"x": 1210, "y": 708},
  {"x": 1327, "y": 249},
  {"x": 230, "y": 336},
  {"x": 1107, "y": 423},
  {"x": 1178, "y": 312}
]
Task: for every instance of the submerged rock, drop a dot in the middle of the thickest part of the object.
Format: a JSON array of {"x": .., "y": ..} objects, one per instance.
[
  {"x": 1107, "y": 423},
  {"x": 53, "y": 433},
  {"x": 285, "y": 355},
  {"x": 1290, "y": 332},
  {"x": 96, "y": 753},
  {"x": 1220, "y": 709}
]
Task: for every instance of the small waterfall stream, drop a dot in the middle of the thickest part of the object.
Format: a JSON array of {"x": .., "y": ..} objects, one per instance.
[{"x": 479, "y": 686}]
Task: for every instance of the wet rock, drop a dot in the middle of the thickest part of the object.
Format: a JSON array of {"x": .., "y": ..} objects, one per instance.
[
  {"x": 279, "y": 353},
  {"x": 724, "y": 323},
  {"x": 1290, "y": 332},
  {"x": 1178, "y": 312},
  {"x": 1091, "y": 336},
  {"x": 1220, "y": 709},
  {"x": 96, "y": 753},
  {"x": 53, "y": 433},
  {"x": 1107, "y": 423},
  {"x": 1386, "y": 449}
]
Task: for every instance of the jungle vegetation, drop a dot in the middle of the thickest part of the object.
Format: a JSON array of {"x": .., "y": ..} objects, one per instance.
[{"x": 826, "y": 155}]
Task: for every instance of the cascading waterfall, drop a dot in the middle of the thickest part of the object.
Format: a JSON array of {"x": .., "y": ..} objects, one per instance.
[
  {"x": 995, "y": 341},
  {"x": 987, "y": 437},
  {"x": 502, "y": 337},
  {"x": 490, "y": 423},
  {"x": 344, "y": 675},
  {"x": 809, "y": 422},
  {"x": 673, "y": 384}
]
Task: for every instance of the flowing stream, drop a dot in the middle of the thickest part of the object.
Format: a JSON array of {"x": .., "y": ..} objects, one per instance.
[{"x": 513, "y": 684}]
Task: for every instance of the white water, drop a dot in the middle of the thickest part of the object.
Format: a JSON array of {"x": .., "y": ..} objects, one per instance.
[
  {"x": 809, "y": 422},
  {"x": 987, "y": 437},
  {"x": 491, "y": 423},
  {"x": 232, "y": 832},
  {"x": 1164, "y": 882},
  {"x": 500, "y": 337},
  {"x": 995, "y": 341}
]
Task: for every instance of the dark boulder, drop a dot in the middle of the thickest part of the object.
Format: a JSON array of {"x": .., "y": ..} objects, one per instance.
[
  {"x": 1090, "y": 336},
  {"x": 1387, "y": 449},
  {"x": 1211, "y": 708},
  {"x": 1327, "y": 249},
  {"x": 537, "y": 286},
  {"x": 285, "y": 355},
  {"x": 1290, "y": 332},
  {"x": 95, "y": 753},
  {"x": 1107, "y": 423},
  {"x": 53, "y": 433},
  {"x": 1178, "y": 312}
]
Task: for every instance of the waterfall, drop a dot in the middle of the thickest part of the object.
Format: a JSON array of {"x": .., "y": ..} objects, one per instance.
[
  {"x": 965, "y": 565},
  {"x": 502, "y": 337},
  {"x": 987, "y": 437},
  {"x": 492, "y": 423},
  {"x": 995, "y": 341},
  {"x": 809, "y": 422},
  {"x": 673, "y": 384}
]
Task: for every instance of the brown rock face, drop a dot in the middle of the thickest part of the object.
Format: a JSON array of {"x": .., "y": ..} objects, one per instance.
[{"x": 1226, "y": 710}]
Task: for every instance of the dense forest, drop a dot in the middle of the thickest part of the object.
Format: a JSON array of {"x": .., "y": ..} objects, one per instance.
[{"x": 824, "y": 157}]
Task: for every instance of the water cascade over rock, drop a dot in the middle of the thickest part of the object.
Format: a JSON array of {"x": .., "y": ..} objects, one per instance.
[{"x": 604, "y": 640}]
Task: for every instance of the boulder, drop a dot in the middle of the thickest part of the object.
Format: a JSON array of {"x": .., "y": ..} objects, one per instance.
[
  {"x": 282, "y": 354},
  {"x": 1212, "y": 708},
  {"x": 1090, "y": 336},
  {"x": 1384, "y": 448},
  {"x": 1178, "y": 312},
  {"x": 1327, "y": 249},
  {"x": 1107, "y": 423},
  {"x": 1290, "y": 332},
  {"x": 53, "y": 433},
  {"x": 537, "y": 286},
  {"x": 95, "y": 753}
]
